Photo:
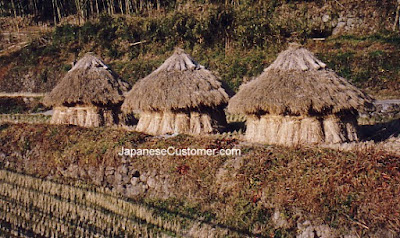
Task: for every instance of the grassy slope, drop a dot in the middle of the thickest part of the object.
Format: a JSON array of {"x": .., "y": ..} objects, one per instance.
[
  {"x": 369, "y": 62},
  {"x": 233, "y": 43},
  {"x": 339, "y": 189}
]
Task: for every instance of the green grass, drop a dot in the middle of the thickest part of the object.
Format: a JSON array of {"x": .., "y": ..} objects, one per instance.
[{"x": 368, "y": 61}]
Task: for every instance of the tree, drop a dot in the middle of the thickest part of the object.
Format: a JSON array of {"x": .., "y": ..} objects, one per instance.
[
  {"x": 15, "y": 13},
  {"x": 396, "y": 19}
]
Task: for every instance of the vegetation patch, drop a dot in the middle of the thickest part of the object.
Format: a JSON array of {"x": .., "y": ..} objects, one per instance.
[
  {"x": 235, "y": 39},
  {"x": 339, "y": 189}
]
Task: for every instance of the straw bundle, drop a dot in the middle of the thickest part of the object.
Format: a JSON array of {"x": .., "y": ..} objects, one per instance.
[
  {"x": 293, "y": 130},
  {"x": 34, "y": 207},
  {"x": 159, "y": 123},
  {"x": 84, "y": 116},
  {"x": 181, "y": 96},
  {"x": 89, "y": 95},
  {"x": 296, "y": 100}
]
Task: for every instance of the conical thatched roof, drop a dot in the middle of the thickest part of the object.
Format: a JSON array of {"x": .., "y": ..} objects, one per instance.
[
  {"x": 89, "y": 82},
  {"x": 297, "y": 83},
  {"x": 180, "y": 83}
]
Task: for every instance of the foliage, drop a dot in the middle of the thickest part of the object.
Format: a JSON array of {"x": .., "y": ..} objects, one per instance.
[
  {"x": 369, "y": 62},
  {"x": 236, "y": 39}
]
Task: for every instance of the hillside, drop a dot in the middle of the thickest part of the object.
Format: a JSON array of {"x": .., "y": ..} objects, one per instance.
[
  {"x": 235, "y": 39},
  {"x": 280, "y": 192}
]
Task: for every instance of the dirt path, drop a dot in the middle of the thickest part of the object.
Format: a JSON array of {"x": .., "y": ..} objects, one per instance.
[
  {"x": 21, "y": 94},
  {"x": 12, "y": 41},
  {"x": 13, "y": 48},
  {"x": 390, "y": 105},
  {"x": 387, "y": 102}
]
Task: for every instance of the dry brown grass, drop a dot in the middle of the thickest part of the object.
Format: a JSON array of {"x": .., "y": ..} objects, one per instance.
[
  {"x": 85, "y": 116},
  {"x": 297, "y": 100},
  {"x": 89, "y": 82},
  {"x": 297, "y": 83},
  {"x": 340, "y": 189},
  {"x": 295, "y": 131},
  {"x": 192, "y": 123},
  {"x": 180, "y": 96},
  {"x": 180, "y": 83}
]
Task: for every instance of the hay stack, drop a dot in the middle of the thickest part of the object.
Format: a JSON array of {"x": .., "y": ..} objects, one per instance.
[
  {"x": 297, "y": 100},
  {"x": 181, "y": 96},
  {"x": 89, "y": 95}
]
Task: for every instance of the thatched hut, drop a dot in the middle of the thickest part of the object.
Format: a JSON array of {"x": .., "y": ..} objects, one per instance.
[
  {"x": 181, "y": 96},
  {"x": 89, "y": 95},
  {"x": 297, "y": 100}
]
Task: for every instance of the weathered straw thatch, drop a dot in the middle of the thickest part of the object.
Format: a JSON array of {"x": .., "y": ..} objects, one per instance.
[
  {"x": 89, "y": 95},
  {"x": 181, "y": 96},
  {"x": 297, "y": 100}
]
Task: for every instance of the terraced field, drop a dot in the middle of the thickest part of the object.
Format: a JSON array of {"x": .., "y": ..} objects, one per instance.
[
  {"x": 33, "y": 207},
  {"x": 25, "y": 118}
]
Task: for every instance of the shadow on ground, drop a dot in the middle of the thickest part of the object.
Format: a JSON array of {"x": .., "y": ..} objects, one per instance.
[{"x": 381, "y": 131}]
